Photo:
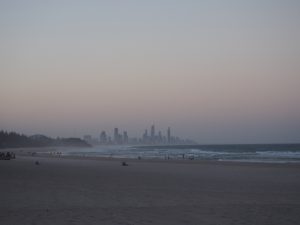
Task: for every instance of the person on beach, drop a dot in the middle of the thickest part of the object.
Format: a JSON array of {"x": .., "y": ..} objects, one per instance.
[{"x": 7, "y": 155}]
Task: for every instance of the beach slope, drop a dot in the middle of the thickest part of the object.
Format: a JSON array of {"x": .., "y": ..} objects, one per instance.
[{"x": 81, "y": 191}]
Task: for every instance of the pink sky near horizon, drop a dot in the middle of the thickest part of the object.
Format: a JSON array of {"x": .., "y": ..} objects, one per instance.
[{"x": 215, "y": 73}]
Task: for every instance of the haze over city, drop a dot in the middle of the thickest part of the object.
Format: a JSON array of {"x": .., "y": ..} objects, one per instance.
[{"x": 213, "y": 71}]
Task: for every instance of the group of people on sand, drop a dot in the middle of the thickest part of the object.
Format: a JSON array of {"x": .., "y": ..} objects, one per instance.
[{"x": 7, "y": 155}]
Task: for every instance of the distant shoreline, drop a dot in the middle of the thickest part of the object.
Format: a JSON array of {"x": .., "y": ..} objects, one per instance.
[{"x": 55, "y": 153}]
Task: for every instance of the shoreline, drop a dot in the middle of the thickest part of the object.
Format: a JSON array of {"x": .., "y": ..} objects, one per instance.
[{"x": 55, "y": 152}]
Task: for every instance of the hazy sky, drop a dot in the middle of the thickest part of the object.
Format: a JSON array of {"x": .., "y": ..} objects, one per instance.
[{"x": 216, "y": 71}]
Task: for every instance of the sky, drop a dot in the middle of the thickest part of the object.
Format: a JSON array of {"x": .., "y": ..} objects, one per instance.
[{"x": 214, "y": 71}]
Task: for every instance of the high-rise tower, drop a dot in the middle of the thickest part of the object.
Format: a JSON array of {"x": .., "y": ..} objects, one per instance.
[
  {"x": 125, "y": 137},
  {"x": 152, "y": 133},
  {"x": 160, "y": 138},
  {"x": 145, "y": 136},
  {"x": 116, "y": 135},
  {"x": 103, "y": 137},
  {"x": 169, "y": 135}
]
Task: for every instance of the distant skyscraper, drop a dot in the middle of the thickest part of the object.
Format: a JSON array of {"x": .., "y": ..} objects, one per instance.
[
  {"x": 125, "y": 137},
  {"x": 116, "y": 135},
  {"x": 145, "y": 136},
  {"x": 152, "y": 133},
  {"x": 103, "y": 137},
  {"x": 169, "y": 135},
  {"x": 160, "y": 139}
]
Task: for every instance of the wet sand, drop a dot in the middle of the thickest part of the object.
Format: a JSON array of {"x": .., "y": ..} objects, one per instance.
[{"x": 84, "y": 191}]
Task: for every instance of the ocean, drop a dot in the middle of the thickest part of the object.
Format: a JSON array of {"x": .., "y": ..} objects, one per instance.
[{"x": 278, "y": 153}]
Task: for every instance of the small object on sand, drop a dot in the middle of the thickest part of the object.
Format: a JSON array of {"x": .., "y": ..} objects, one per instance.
[
  {"x": 37, "y": 163},
  {"x": 124, "y": 164}
]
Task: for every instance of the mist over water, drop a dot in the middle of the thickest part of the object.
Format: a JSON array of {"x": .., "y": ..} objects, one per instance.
[{"x": 284, "y": 153}]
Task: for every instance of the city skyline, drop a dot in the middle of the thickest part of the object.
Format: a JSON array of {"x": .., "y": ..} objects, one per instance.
[{"x": 147, "y": 138}]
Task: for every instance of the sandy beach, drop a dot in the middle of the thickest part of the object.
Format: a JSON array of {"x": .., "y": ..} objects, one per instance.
[{"x": 85, "y": 191}]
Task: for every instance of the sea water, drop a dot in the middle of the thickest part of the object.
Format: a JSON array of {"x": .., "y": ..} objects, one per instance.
[{"x": 280, "y": 153}]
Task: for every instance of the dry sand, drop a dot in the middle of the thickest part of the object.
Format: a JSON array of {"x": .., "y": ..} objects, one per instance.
[{"x": 82, "y": 191}]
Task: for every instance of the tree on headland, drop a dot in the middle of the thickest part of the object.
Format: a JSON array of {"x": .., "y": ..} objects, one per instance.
[{"x": 15, "y": 140}]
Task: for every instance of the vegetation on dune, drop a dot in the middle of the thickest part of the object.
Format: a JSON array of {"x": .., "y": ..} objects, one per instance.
[{"x": 15, "y": 140}]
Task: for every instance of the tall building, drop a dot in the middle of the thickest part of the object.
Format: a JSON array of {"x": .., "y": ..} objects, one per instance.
[
  {"x": 152, "y": 132},
  {"x": 169, "y": 135},
  {"x": 116, "y": 135},
  {"x": 125, "y": 137},
  {"x": 103, "y": 137},
  {"x": 145, "y": 136},
  {"x": 160, "y": 139}
]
